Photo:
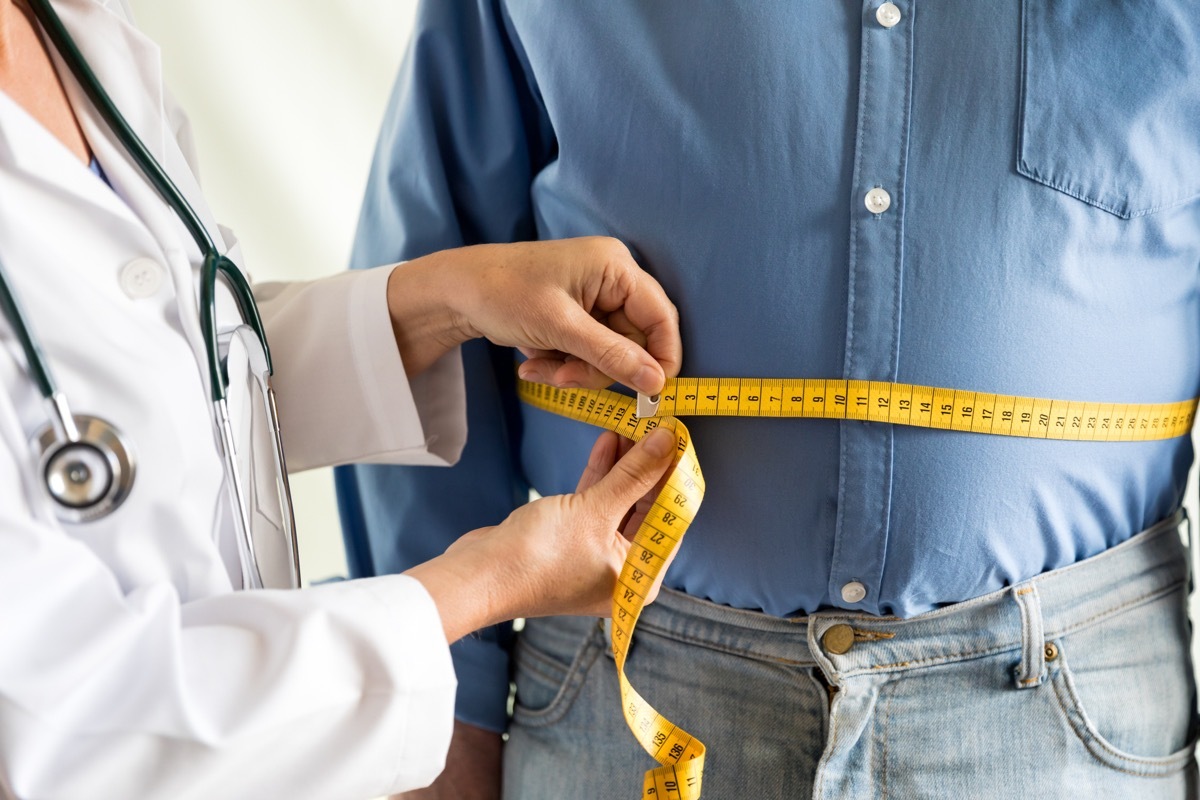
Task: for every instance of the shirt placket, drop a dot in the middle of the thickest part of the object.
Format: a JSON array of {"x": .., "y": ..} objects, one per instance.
[{"x": 875, "y": 272}]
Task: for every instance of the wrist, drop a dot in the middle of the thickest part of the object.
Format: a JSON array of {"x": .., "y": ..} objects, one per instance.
[
  {"x": 466, "y": 585},
  {"x": 425, "y": 312}
]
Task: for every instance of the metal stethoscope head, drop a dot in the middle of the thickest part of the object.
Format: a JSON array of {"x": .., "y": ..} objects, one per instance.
[{"x": 86, "y": 464}]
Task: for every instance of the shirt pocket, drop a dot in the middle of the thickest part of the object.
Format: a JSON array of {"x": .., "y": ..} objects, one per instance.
[{"x": 1110, "y": 101}]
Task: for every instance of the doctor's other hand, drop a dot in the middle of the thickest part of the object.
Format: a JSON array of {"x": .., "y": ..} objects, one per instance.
[
  {"x": 582, "y": 311},
  {"x": 556, "y": 555}
]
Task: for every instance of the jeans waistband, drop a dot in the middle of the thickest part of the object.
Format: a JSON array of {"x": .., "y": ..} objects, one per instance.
[{"x": 1024, "y": 616}]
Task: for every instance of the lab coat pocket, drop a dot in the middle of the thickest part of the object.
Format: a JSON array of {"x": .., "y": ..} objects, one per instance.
[{"x": 1110, "y": 102}]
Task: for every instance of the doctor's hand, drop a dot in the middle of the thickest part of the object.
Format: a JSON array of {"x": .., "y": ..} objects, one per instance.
[
  {"x": 556, "y": 555},
  {"x": 581, "y": 310}
]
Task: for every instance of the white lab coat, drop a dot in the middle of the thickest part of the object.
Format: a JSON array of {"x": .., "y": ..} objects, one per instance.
[{"x": 129, "y": 668}]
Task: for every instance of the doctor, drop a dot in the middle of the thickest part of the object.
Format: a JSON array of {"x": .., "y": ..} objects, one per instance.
[{"x": 129, "y": 666}]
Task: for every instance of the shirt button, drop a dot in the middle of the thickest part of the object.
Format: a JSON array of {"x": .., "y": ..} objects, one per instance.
[
  {"x": 888, "y": 15},
  {"x": 854, "y": 592},
  {"x": 838, "y": 639},
  {"x": 878, "y": 201},
  {"x": 141, "y": 278}
]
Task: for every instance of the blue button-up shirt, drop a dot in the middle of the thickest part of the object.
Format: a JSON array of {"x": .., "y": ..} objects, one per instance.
[{"x": 1042, "y": 163}]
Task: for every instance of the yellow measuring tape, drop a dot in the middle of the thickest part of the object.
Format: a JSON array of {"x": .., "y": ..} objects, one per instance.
[
  {"x": 680, "y": 755},
  {"x": 926, "y": 407}
]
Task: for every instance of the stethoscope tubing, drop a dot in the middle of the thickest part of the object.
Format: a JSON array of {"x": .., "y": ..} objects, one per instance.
[
  {"x": 100, "y": 498},
  {"x": 214, "y": 262},
  {"x": 35, "y": 359}
]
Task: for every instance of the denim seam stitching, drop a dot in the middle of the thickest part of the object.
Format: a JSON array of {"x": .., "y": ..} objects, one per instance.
[
  {"x": 568, "y": 691},
  {"x": 544, "y": 665},
  {"x": 944, "y": 658},
  {"x": 947, "y": 657},
  {"x": 883, "y": 734},
  {"x": 1145, "y": 598},
  {"x": 1156, "y": 767},
  {"x": 721, "y": 648},
  {"x": 1152, "y": 534},
  {"x": 866, "y": 635}
]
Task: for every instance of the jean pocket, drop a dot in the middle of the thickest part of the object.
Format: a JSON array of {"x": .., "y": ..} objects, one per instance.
[
  {"x": 552, "y": 660},
  {"x": 1126, "y": 687},
  {"x": 1110, "y": 102}
]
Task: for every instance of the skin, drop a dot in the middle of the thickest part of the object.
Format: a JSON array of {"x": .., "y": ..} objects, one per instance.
[
  {"x": 559, "y": 552},
  {"x": 582, "y": 312},
  {"x": 27, "y": 76},
  {"x": 473, "y": 764},
  {"x": 581, "y": 309}
]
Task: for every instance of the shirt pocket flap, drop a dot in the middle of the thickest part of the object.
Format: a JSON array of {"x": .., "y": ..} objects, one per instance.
[{"x": 1111, "y": 102}]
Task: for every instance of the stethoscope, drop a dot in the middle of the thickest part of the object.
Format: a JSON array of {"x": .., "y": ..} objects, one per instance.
[{"x": 87, "y": 466}]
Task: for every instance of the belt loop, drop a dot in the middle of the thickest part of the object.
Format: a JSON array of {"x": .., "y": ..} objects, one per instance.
[{"x": 1032, "y": 669}]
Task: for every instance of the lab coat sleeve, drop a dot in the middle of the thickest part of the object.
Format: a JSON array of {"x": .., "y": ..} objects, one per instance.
[
  {"x": 341, "y": 691},
  {"x": 340, "y": 384}
]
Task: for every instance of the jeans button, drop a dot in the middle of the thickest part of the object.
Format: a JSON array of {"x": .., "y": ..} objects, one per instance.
[{"x": 838, "y": 639}]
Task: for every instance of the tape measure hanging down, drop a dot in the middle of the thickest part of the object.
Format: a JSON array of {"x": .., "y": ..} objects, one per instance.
[{"x": 680, "y": 755}]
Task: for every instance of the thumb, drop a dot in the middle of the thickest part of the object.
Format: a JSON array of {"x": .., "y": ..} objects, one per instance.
[
  {"x": 635, "y": 474},
  {"x": 610, "y": 353}
]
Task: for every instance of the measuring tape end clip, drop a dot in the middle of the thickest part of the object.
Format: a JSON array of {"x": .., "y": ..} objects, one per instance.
[{"x": 647, "y": 405}]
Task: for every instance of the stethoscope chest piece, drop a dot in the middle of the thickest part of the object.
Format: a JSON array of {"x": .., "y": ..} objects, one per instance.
[{"x": 89, "y": 476}]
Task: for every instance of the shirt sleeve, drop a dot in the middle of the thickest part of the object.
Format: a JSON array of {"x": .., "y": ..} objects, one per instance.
[
  {"x": 337, "y": 691},
  {"x": 463, "y": 136}
]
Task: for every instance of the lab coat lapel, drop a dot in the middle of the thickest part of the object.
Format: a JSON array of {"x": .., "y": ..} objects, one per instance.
[
  {"x": 129, "y": 67},
  {"x": 31, "y": 152},
  {"x": 127, "y": 63},
  {"x": 29, "y": 149}
]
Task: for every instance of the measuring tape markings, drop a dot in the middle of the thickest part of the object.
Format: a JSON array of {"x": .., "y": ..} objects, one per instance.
[
  {"x": 926, "y": 407},
  {"x": 681, "y": 755}
]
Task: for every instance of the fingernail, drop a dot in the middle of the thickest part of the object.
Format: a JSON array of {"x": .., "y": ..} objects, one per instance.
[
  {"x": 660, "y": 442},
  {"x": 648, "y": 380},
  {"x": 570, "y": 385},
  {"x": 525, "y": 372}
]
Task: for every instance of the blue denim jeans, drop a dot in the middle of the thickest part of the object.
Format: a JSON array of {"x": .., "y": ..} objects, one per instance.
[{"x": 1076, "y": 684}]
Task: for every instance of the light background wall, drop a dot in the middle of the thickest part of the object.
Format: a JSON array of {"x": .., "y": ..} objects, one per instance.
[{"x": 285, "y": 97}]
